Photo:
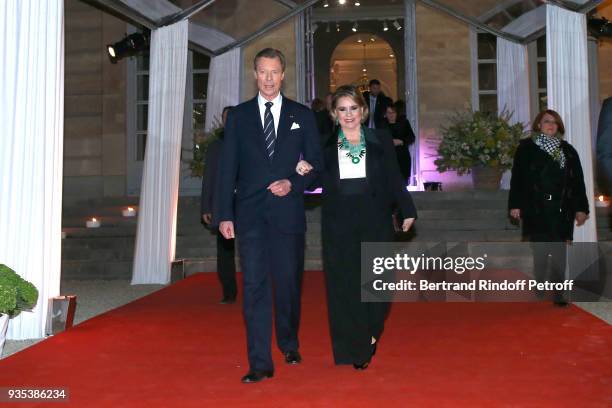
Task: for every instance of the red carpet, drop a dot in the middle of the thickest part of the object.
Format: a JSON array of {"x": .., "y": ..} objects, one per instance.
[{"x": 179, "y": 348}]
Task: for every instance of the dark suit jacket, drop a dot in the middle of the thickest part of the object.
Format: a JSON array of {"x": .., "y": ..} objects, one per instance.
[
  {"x": 246, "y": 168},
  {"x": 387, "y": 188},
  {"x": 604, "y": 143},
  {"x": 210, "y": 176},
  {"x": 527, "y": 186},
  {"x": 382, "y": 102}
]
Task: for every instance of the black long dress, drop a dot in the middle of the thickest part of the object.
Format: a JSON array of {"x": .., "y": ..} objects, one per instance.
[{"x": 356, "y": 211}]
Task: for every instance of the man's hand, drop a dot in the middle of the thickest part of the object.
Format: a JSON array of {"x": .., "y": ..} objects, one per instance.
[
  {"x": 303, "y": 168},
  {"x": 581, "y": 217},
  {"x": 227, "y": 229},
  {"x": 207, "y": 218},
  {"x": 280, "y": 188},
  {"x": 515, "y": 213},
  {"x": 407, "y": 224},
  {"x": 398, "y": 142}
]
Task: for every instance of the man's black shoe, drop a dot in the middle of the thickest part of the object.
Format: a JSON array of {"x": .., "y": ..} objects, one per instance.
[
  {"x": 293, "y": 357},
  {"x": 227, "y": 300},
  {"x": 257, "y": 376}
]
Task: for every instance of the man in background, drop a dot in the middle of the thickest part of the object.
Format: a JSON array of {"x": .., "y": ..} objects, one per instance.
[
  {"x": 226, "y": 264},
  {"x": 377, "y": 103}
]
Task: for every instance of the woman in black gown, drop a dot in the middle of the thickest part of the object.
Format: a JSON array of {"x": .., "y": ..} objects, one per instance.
[
  {"x": 361, "y": 184},
  {"x": 547, "y": 192}
]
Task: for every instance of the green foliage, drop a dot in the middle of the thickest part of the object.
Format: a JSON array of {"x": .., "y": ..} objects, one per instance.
[
  {"x": 16, "y": 294},
  {"x": 201, "y": 141},
  {"x": 478, "y": 139}
]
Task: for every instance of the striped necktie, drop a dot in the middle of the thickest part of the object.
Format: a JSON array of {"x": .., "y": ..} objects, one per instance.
[{"x": 269, "y": 132}]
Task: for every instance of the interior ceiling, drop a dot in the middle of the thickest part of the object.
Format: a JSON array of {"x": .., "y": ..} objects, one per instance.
[{"x": 351, "y": 49}]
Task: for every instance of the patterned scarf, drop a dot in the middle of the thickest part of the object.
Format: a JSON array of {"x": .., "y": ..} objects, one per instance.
[{"x": 552, "y": 146}]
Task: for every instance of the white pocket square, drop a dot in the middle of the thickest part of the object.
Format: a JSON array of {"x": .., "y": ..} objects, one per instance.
[{"x": 295, "y": 126}]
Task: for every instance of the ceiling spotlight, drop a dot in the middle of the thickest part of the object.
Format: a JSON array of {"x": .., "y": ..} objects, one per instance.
[
  {"x": 391, "y": 56},
  {"x": 372, "y": 39},
  {"x": 129, "y": 46},
  {"x": 342, "y": 2},
  {"x": 359, "y": 40},
  {"x": 337, "y": 27},
  {"x": 397, "y": 25},
  {"x": 326, "y": 4},
  {"x": 385, "y": 26},
  {"x": 355, "y": 26},
  {"x": 357, "y": 3}
]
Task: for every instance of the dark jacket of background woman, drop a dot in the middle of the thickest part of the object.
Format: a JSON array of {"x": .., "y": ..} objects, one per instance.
[
  {"x": 528, "y": 187},
  {"x": 402, "y": 130}
]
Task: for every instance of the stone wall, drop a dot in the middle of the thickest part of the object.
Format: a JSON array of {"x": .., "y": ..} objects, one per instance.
[
  {"x": 444, "y": 85},
  {"x": 95, "y": 105},
  {"x": 282, "y": 38},
  {"x": 605, "y": 56}
]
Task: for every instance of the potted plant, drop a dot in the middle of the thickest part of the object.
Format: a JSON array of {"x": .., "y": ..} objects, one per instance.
[
  {"x": 201, "y": 141},
  {"x": 479, "y": 143},
  {"x": 16, "y": 295}
]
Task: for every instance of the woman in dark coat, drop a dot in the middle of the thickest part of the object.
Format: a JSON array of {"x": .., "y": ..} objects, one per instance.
[
  {"x": 403, "y": 137},
  {"x": 361, "y": 184},
  {"x": 547, "y": 192}
]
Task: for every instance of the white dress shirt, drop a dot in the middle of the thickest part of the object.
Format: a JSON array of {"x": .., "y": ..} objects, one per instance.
[
  {"x": 275, "y": 109},
  {"x": 348, "y": 169}
]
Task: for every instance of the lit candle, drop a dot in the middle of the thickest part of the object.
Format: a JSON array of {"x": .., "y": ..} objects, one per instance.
[
  {"x": 93, "y": 223},
  {"x": 129, "y": 212},
  {"x": 602, "y": 201}
]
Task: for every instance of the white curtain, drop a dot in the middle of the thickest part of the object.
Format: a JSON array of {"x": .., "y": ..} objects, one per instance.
[
  {"x": 223, "y": 86},
  {"x": 512, "y": 86},
  {"x": 31, "y": 152},
  {"x": 568, "y": 94},
  {"x": 156, "y": 232}
]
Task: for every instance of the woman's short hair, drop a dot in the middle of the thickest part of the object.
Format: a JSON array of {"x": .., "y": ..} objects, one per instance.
[
  {"x": 349, "y": 91},
  {"x": 535, "y": 126}
]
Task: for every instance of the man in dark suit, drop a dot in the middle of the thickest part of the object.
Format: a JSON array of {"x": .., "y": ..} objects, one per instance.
[
  {"x": 604, "y": 143},
  {"x": 264, "y": 140},
  {"x": 377, "y": 104},
  {"x": 226, "y": 264}
]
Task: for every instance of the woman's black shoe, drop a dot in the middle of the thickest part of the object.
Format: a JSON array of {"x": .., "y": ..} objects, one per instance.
[{"x": 362, "y": 366}]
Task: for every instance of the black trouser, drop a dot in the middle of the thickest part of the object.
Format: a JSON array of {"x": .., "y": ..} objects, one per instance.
[
  {"x": 549, "y": 246},
  {"x": 226, "y": 265}
]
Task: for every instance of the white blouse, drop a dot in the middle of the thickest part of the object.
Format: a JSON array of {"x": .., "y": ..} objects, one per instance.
[{"x": 348, "y": 169}]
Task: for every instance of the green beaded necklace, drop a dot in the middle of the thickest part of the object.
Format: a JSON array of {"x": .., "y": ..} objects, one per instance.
[{"x": 355, "y": 151}]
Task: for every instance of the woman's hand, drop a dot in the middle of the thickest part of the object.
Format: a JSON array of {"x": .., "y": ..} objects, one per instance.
[
  {"x": 581, "y": 217},
  {"x": 407, "y": 224},
  {"x": 303, "y": 168},
  {"x": 398, "y": 142},
  {"x": 515, "y": 213}
]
